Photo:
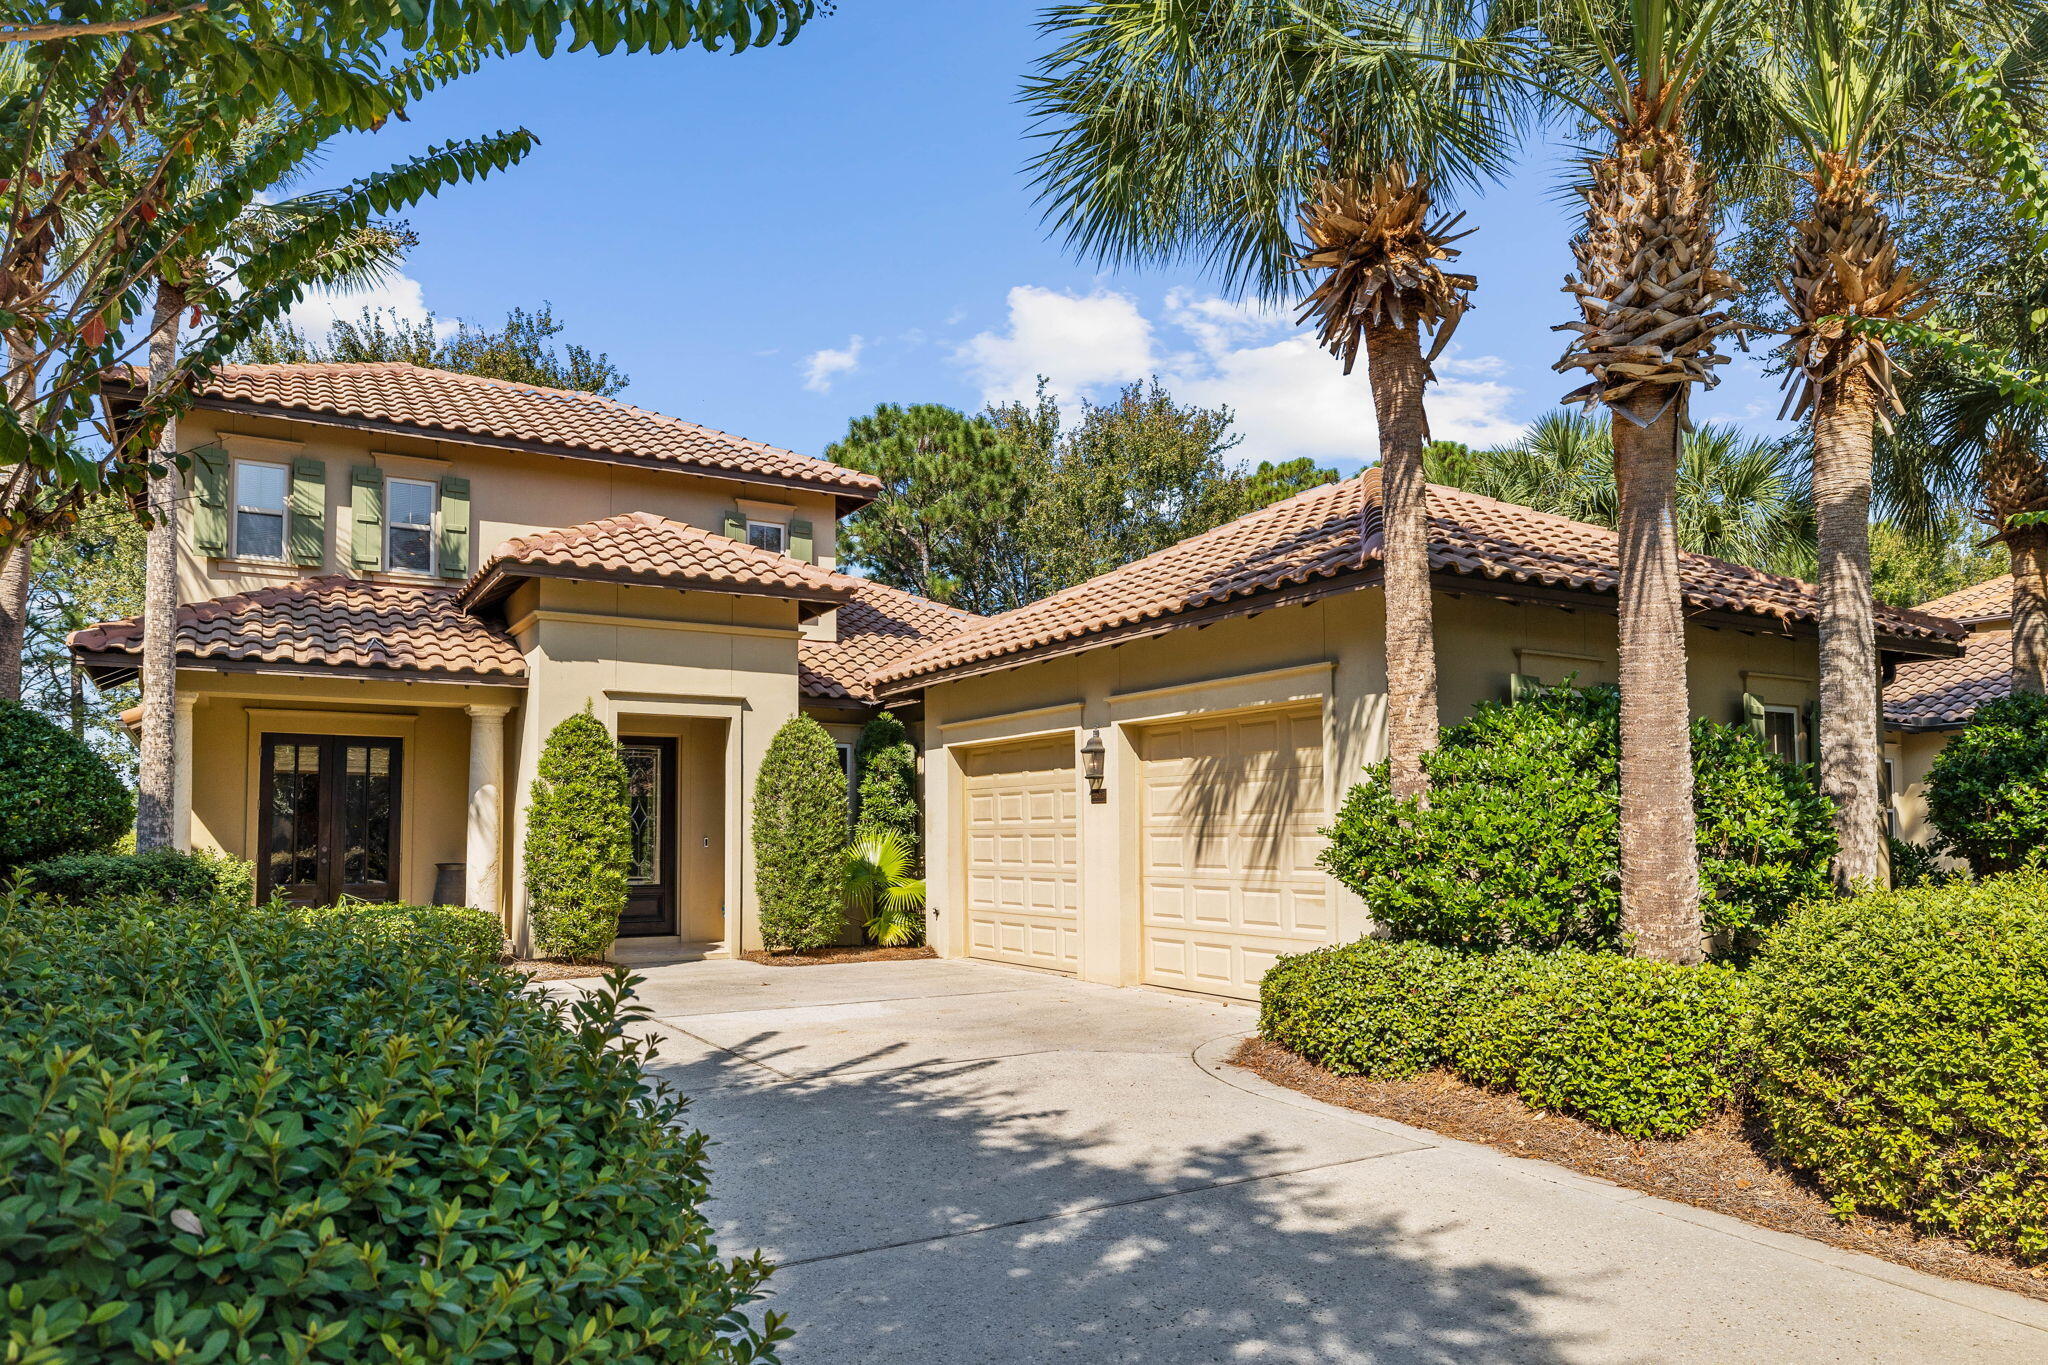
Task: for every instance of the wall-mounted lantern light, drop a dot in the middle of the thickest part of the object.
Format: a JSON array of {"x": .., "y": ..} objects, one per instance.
[{"x": 1091, "y": 767}]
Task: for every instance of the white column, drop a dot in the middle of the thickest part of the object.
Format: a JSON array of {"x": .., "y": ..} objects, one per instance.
[
  {"x": 181, "y": 772},
  {"x": 486, "y": 806}
]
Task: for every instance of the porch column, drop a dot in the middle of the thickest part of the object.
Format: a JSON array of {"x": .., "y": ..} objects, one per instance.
[
  {"x": 181, "y": 772},
  {"x": 486, "y": 806}
]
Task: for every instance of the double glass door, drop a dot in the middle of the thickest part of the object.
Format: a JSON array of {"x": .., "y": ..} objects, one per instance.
[{"x": 330, "y": 818}]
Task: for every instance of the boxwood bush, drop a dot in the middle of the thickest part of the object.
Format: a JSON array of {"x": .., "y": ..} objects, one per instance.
[
  {"x": 164, "y": 874},
  {"x": 1901, "y": 1056},
  {"x": 800, "y": 820},
  {"x": 472, "y": 936},
  {"x": 56, "y": 795},
  {"x": 1519, "y": 843},
  {"x": 1647, "y": 1049},
  {"x": 1987, "y": 790},
  {"x": 231, "y": 1134},
  {"x": 579, "y": 841}
]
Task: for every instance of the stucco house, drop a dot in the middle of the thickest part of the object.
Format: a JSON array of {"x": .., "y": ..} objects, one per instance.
[
  {"x": 396, "y": 581},
  {"x": 1928, "y": 700}
]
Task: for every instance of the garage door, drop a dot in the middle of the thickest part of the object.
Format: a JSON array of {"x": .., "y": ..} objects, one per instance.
[
  {"x": 1023, "y": 854},
  {"x": 1231, "y": 806}
]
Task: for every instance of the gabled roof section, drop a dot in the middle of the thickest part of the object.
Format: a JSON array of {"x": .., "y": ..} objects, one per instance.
[
  {"x": 1990, "y": 600},
  {"x": 1332, "y": 532},
  {"x": 399, "y": 395},
  {"x": 323, "y": 624},
  {"x": 1943, "y": 694},
  {"x": 879, "y": 626},
  {"x": 644, "y": 549}
]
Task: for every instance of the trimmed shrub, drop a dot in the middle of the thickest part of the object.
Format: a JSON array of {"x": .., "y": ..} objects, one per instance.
[
  {"x": 1987, "y": 790},
  {"x": 800, "y": 820},
  {"x": 1644, "y": 1048},
  {"x": 56, "y": 795},
  {"x": 1519, "y": 842},
  {"x": 888, "y": 783},
  {"x": 1901, "y": 1056},
  {"x": 329, "y": 1147},
  {"x": 162, "y": 874},
  {"x": 579, "y": 841},
  {"x": 472, "y": 936},
  {"x": 1920, "y": 864}
]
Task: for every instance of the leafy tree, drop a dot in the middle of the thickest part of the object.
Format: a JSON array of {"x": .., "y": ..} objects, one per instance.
[
  {"x": 92, "y": 574},
  {"x": 800, "y": 821},
  {"x": 1907, "y": 569},
  {"x": 579, "y": 841},
  {"x": 1987, "y": 790},
  {"x": 522, "y": 350},
  {"x": 56, "y": 795},
  {"x": 888, "y": 783},
  {"x": 1272, "y": 482}
]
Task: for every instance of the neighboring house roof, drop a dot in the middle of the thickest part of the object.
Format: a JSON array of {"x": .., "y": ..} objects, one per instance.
[
  {"x": 1942, "y": 694},
  {"x": 879, "y": 626},
  {"x": 642, "y": 548},
  {"x": 1333, "y": 531},
  {"x": 329, "y": 623},
  {"x": 1990, "y": 600},
  {"x": 396, "y": 394}
]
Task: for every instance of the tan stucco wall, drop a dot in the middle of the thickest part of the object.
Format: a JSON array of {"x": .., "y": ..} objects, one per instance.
[
  {"x": 1912, "y": 755},
  {"x": 1329, "y": 651}
]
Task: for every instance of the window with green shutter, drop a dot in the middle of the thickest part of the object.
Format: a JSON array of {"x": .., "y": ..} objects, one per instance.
[
  {"x": 210, "y": 500},
  {"x": 366, "y": 505},
  {"x": 735, "y": 524},
  {"x": 454, "y": 528},
  {"x": 802, "y": 543},
  {"x": 1522, "y": 686},
  {"x": 308, "y": 533}
]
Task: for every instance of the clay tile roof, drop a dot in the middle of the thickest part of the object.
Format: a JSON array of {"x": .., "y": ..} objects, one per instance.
[
  {"x": 1936, "y": 694},
  {"x": 1334, "y": 530},
  {"x": 331, "y": 622},
  {"x": 436, "y": 400},
  {"x": 640, "y": 547},
  {"x": 1990, "y": 600},
  {"x": 879, "y": 626}
]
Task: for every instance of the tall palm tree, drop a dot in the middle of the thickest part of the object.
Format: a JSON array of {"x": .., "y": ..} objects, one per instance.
[{"x": 1210, "y": 132}]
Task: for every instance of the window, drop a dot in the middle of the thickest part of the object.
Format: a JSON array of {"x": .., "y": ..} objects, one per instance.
[
  {"x": 852, "y": 779},
  {"x": 771, "y": 536},
  {"x": 408, "y": 526},
  {"x": 260, "y": 492},
  {"x": 1785, "y": 732},
  {"x": 1890, "y": 794}
]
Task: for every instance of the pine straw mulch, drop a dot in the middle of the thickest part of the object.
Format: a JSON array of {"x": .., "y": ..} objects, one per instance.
[
  {"x": 539, "y": 969},
  {"x": 819, "y": 957},
  {"x": 1719, "y": 1168}
]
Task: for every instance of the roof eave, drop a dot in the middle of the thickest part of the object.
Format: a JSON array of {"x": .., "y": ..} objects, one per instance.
[
  {"x": 500, "y": 578},
  {"x": 120, "y": 666}
]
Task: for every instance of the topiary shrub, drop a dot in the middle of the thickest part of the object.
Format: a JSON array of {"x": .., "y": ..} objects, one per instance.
[
  {"x": 888, "y": 783},
  {"x": 474, "y": 937},
  {"x": 579, "y": 841},
  {"x": 162, "y": 874},
  {"x": 1901, "y": 1056},
  {"x": 1519, "y": 841},
  {"x": 1987, "y": 790},
  {"x": 800, "y": 820},
  {"x": 56, "y": 795},
  {"x": 1647, "y": 1049},
  {"x": 333, "y": 1146}
]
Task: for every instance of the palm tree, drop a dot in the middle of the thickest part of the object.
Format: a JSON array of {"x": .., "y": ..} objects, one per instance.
[{"x": 1210, "y": 132}]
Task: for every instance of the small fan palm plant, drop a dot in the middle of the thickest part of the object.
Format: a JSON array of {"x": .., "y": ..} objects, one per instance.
[{"x": 881, "y": 889}]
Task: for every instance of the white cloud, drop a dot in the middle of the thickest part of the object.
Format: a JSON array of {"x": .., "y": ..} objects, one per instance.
[
  {"x": 1291, "y": 397},
  {"x": 397, "y": 293},
  {"x": 822, "y": 367}
]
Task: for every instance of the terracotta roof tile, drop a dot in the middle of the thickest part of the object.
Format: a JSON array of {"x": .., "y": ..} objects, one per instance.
[
  {"x": 879, "y": 626},
  {"x": 640, "y": 547},
  {"x": 1936, "y": 694},
  {"x": 1335, "y": 529},
  {"x": 1990, "y": 600},
  {"x": 438, "y": 400},
  {"x": 329, "y": 622}
]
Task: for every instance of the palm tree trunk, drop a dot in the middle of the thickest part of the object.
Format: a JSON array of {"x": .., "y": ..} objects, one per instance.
[
  {"x": 2029, "y": 609},
  {"x": 1844, "y": 434},
  {"x": 1397, "y": 371},
  {"x": 1660, "y": 882},
  {"x": 155, "y": 821},
  {"x": 14, "y": 578}
]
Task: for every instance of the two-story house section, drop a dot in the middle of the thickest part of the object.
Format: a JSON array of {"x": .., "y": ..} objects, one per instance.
[{"x": 395, "y": 581}]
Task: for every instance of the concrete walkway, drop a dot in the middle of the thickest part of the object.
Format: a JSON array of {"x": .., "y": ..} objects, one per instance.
[{"x": 957, "y": 1162}]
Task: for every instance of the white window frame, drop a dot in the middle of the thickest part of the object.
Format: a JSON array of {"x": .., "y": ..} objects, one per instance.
[
  {"x": 781, "y": 530},
  {"x": 283, "y": 512},
  {"x": 1891, "y": 795},
  {"x": 432, "y": 527},
  {"x": 1802, "y": 742}
]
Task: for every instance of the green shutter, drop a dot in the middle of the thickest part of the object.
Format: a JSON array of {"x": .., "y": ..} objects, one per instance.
[
  {"x": 1753, "y": 715},
  {"x": 366, "y": 499},
  {"x": 1813, "y": 732},
  {"x": 454, "y": 528},
  {"x": 1522, "y": 686},
  {"x": 210, "y": 504},
  {"x": 736, "y": 524},
  {"x": 802, "y": 544},
  {"x": 308, "y": 538}
]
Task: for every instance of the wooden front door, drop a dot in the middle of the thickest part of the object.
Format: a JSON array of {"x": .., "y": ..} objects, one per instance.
[
  {"x": 651, "y": 876},
  {"x": 330, "y": 819}
]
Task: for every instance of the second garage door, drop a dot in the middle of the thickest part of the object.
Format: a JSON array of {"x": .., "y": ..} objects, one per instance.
[
  {"x": 1231, "y": 806},
  {"x": 1023, "y": 854}
]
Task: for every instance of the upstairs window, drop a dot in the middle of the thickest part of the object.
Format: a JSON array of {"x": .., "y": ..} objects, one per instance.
[
  {"x": 409, "y": 526},
  {"x": 771, "y": 536},
  {"x": 260, "y": 494}
]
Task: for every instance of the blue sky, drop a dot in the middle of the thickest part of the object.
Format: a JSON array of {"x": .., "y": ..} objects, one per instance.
[{"x": 773, "y": 242}]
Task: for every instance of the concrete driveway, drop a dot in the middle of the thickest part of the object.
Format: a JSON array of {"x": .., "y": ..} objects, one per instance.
[{"x": 960, "y": 1162}]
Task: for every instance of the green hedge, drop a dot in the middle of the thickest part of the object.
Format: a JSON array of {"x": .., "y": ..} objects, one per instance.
[
  {"x": 800, "y": 829},
  {"x": 1987, "y": 790},
  {"x": 232, "y": 1134},
  {"x": 472, "y": 936},
  {"x": 56, "y": 795},
  {"x": 163, "y": 873},
  {"x": 579, "y": 841},
  {"x": 1901, "y": 1056},
  {"x": 1644, "y": 1048}
]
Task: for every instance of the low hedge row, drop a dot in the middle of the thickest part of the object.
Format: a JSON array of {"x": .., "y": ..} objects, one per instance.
[
  {"x": 232, "y": 1133},
  {"x": 472, "y": 936},
  {"x": 164, "y": 873},
  {"x": 1643, "y": 1048}
]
